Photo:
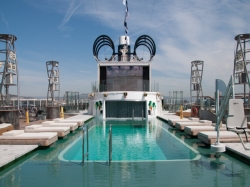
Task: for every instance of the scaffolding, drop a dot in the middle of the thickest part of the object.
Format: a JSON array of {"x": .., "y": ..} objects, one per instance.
[
  {"x": 53, "y": 93},
  {"x": 8, "y": 71},
  {"x": 241, "y": 60},
  {"x": 196, "y": 93}
]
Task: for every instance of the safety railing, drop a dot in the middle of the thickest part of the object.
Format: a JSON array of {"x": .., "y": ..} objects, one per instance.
[
  {"x": 221, "y": 108},
  {"x": 110, "y": 144},
  {"x": 87, "y": 153}
]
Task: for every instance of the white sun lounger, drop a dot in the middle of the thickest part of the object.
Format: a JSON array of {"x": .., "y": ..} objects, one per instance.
[
  {"x": 4, "y": 127},
  {"x": 182, "y": 125},
  {"x": 238, "y": 122},
  {"x": 210, "y": 137},
  {"x": 60, "y": 120},
  {"x": 174, "y": 121},
  {"x": 72, "y": 126},
  {"x": 19, "y": 137},
  {"x": 236, "y": 125},
  {"x": 194, "y": 130},
  {"x": 61, "y": 131}
]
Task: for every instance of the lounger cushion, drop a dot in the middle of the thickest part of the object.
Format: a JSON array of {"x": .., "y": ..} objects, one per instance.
[
  {"x": 226, "y": 134},
  {"x": 174, "y": 121},
  {"x": 13, "y": 133},
  {"x": 48, "y": 129},
  {"x": 58, "y": 124},
  {"x": 194, "y": 130},
  {"x": 194, "y": 119},
  {"x": 48, "y": 122},
  {"x": 4, "y": 125},
  {"x": 33, "y": 127},
  {"x": 73, "y": 126},
  {"x": 205, "y": 121},
  {"x": 182, "y": 125},
  {"x": 60, "y": 120},
  {"x": 45, "y": 135}
]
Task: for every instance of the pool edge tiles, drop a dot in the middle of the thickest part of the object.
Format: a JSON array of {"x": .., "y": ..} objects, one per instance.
[{"x": 195, "y": 155}]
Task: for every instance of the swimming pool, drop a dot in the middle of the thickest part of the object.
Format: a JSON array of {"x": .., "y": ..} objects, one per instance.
[
  {"x": 131, "y": 141},
  {"x": 44, "y": 168}
]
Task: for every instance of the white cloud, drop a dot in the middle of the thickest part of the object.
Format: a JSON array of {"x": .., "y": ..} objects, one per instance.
[
  {"x": 182, "y": 30},
  {"x": 5, "y": 21},
  {"x": 73, "y": 6}
]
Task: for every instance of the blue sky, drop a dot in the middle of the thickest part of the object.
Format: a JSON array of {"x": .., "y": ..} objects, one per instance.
[{"x": 65, "y": 30}]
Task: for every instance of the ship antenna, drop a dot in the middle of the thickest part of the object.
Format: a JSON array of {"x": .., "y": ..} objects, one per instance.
[{"x": 125, "y": 2}]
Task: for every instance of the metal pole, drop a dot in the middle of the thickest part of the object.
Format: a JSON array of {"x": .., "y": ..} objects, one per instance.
[
  {"x": 217, "y": 116},
  {"x": 142, "y": 115},
  {"x": 110, "y": 144},
  {"x": 87, "y": 141},
  {"x": 82, "y": 146},
  {"x": 245, "y": 70},
  {"x": 133, "y": 115}
]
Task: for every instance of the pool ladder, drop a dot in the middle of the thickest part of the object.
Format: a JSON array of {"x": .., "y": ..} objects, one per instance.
[
  {"x": 87, "y": 153},
  {"x": 110, "y": 144}
]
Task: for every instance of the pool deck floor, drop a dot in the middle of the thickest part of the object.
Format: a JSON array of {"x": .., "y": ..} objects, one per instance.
[{"x": 9, "y": 153}]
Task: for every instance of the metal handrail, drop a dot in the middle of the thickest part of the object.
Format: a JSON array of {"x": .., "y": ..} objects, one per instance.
[
  {"x": 221, "y": 108},
  {"x": 228, "y": 94},
  {"x": 87, "y": 153},
  {"x": 142, "y": 115},
  {"x": 110, "y": 144}
]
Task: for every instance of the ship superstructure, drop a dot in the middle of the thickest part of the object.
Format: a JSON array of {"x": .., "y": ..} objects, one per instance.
[{"x": 123, "y": 88}]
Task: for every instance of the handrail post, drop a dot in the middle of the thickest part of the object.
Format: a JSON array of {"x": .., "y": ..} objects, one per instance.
[
  {"x": 110, "y": 144},
  {"x": 142, "y": 115},
  {"x": 217, "y": 116},
  {"x": 83, "y": 146},
  {"x": 133, "y": 114},
  {"x": 87, "y": 141}
]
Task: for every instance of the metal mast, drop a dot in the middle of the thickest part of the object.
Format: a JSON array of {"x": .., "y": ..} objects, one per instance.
[
  {"x": 53, "y": 93},
  {"x": 8, "y": 69},
  {"x": 195, "y": 81},
  {"x": 241, "y": 60}
]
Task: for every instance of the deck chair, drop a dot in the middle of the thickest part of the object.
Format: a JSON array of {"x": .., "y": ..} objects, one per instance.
[{"x": 238, "y": 122}]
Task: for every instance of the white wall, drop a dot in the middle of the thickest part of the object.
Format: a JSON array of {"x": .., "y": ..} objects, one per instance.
[{"x": 131, "y": 96}]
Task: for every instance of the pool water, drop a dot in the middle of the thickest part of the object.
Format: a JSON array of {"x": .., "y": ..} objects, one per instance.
[
  {"x": 43, "y": 167},
  {"x": 130, "y": 142}
]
